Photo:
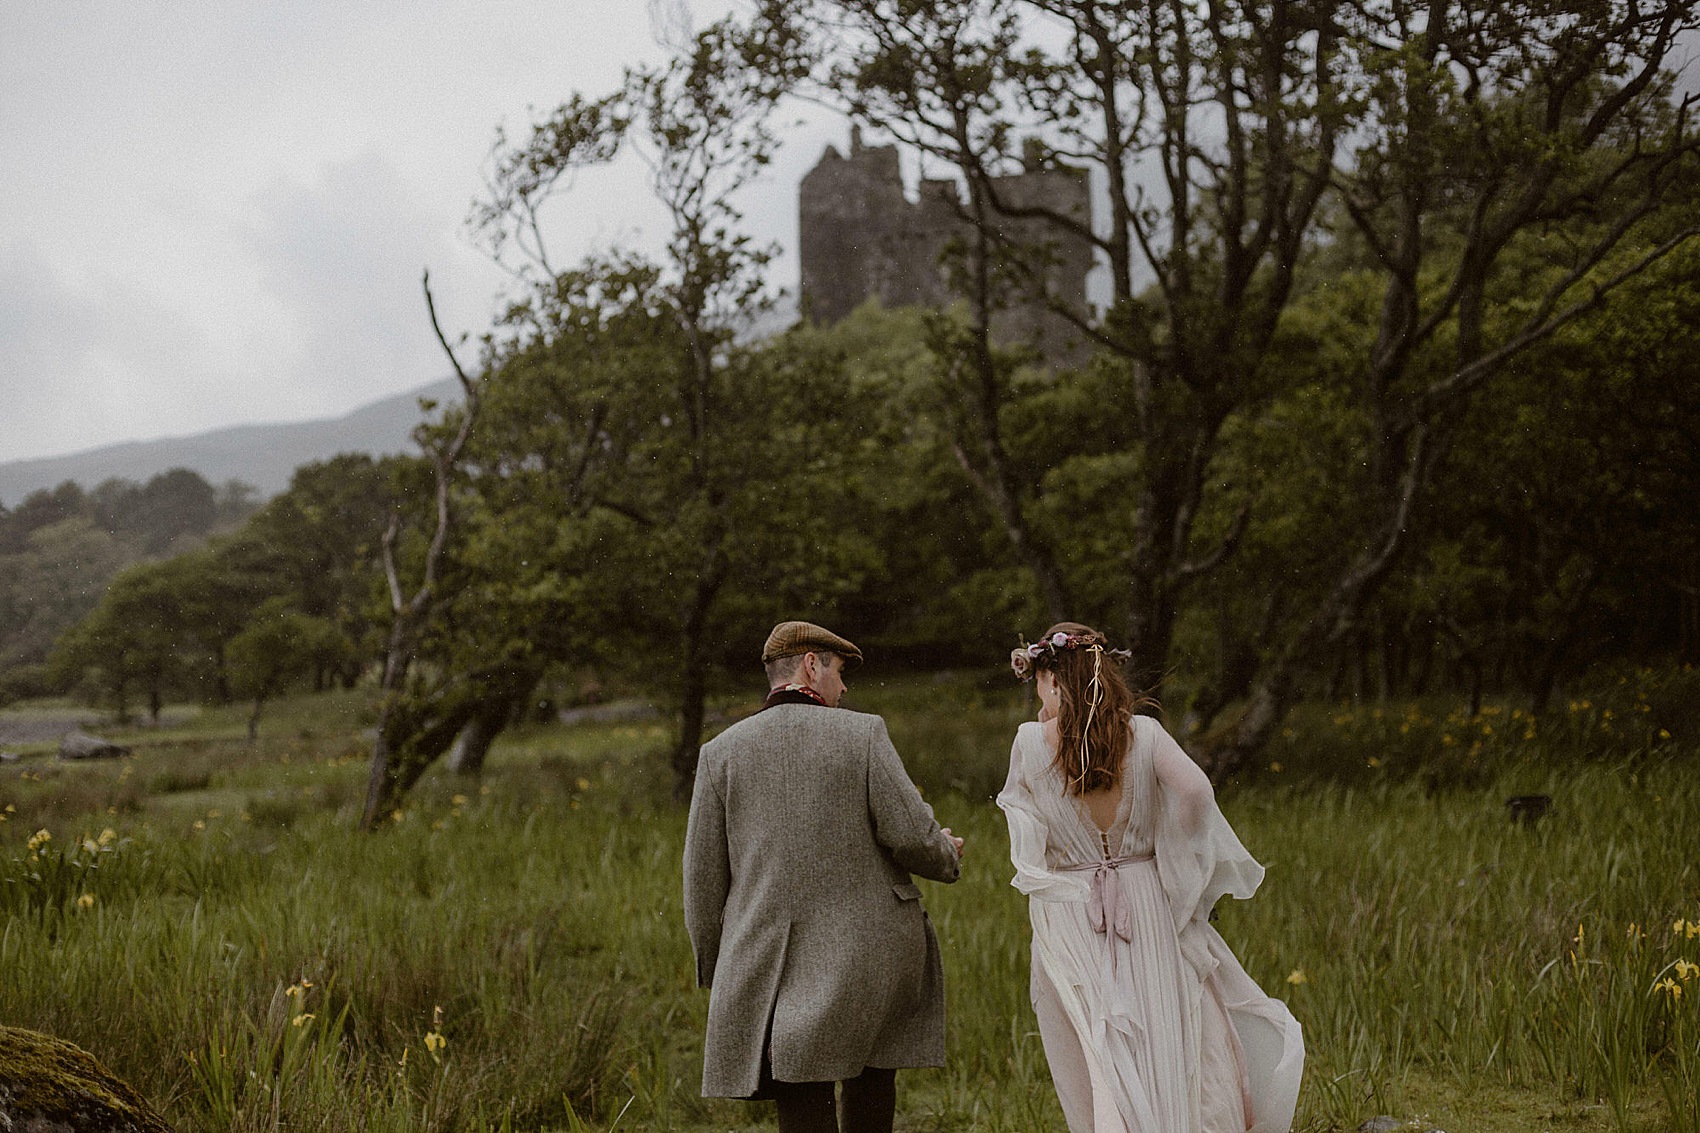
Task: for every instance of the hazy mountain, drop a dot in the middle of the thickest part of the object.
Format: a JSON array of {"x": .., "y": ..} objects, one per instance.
[{"x": 261, "y": 455}]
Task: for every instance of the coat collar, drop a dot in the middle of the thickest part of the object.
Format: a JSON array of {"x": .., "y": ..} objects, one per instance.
[{"x": 792, "y": 694}]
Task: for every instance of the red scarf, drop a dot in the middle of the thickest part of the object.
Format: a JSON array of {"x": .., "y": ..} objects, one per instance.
[{"x": 792, "y": 693}]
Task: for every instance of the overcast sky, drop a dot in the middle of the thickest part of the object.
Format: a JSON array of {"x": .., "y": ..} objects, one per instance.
[{"x": 216, "y": 212}]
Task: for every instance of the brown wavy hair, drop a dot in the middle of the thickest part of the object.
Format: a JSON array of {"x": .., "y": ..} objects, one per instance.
[{"x": 1106, "y": 737}]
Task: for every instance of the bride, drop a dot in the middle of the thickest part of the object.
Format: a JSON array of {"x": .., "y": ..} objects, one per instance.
[{"x": 1149, "y": 1023}]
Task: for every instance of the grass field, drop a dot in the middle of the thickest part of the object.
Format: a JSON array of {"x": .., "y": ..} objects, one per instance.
[{"x": 510, "y": 954}]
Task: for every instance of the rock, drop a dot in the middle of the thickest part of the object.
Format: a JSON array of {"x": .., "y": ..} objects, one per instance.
[
  {"x": 48, "y": 1085},
  {"x": 10, "y": 756},
  {"x": 81, "y": 745},
  {"x": 1385, "y": 1124},
  {"x": 608, "y": 713},
  {"x": 1528, "y": 809}
]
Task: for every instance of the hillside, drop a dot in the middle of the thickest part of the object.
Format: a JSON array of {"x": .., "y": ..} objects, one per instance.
[{"x": 261, "y": 455}]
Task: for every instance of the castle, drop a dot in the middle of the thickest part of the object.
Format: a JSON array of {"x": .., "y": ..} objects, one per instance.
[{"x": 861, "y": 237}]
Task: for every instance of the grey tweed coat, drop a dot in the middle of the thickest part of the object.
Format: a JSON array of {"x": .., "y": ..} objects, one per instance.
[{"x": 804, "y": 830}]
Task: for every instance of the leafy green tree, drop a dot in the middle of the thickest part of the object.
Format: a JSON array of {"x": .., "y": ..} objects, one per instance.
[
  {"x": 702, "y": 123},
  {"x": 133, "y": 642},
  {"x": 54, "y": 579},
  {"x": 1484, "y": 134},
  {"x": 280, "y": 645},
  {"x": 1212, "y": 126},
  {"x": 320, "y": 543},
  {"x": 41, "y": 508},
  {"x": 1441, "y": 143}
]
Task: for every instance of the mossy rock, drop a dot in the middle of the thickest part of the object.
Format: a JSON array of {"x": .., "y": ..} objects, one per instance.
[{"x": 48, "y": 1085}]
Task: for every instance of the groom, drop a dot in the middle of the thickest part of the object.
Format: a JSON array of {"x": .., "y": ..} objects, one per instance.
[{"x": 821, "y": 964}]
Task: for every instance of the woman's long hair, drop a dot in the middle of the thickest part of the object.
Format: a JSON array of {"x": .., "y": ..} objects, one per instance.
[{"x": 1094, "y": 707}]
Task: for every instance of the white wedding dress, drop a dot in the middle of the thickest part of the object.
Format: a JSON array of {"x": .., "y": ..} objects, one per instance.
[{"x": 1149, "y": 1023}]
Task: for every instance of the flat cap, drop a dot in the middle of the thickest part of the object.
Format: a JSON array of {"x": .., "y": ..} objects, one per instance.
[{"x": 788, "y": 639}]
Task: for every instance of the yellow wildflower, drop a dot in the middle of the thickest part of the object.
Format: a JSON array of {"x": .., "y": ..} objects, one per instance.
[
  {"x": 39, "y": 839},
  {"x": 1297, "y": 977},
  {"x": 1372, "y": 761},
  {"x": 1686, "y": 971},
  {"x": 582, "y": 784},
  {"x": 1275, "y": 766},
  {"x": 435, "y": 1042},
  {"x": 108, "y": 836},
  {"x": 1669, "y": 985},
  {"x": 458, "y": 800},
  {"x": 86, "y": 901},
  {"x": 301, "y": 1019}
]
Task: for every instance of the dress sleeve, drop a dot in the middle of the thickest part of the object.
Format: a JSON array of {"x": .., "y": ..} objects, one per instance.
[
  {"x": 1199, "y": 857},
  {"x": 1028, "y": 836}
]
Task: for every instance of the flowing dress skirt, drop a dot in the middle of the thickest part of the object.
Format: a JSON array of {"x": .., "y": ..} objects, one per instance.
[{"x": 1147, "y": 1018}]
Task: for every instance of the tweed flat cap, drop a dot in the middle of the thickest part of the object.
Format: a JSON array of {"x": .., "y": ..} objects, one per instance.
[{"x": 788, "y": 639}]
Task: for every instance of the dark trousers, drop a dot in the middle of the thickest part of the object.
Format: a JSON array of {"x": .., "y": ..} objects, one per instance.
[{"x": 868, "y": 1105}]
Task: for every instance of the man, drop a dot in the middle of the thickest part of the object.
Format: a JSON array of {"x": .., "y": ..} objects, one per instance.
[{"x": 821, "y": 964}]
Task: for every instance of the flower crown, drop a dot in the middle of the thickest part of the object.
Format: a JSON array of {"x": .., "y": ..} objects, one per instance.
[{"x": 1022, "y": 657}]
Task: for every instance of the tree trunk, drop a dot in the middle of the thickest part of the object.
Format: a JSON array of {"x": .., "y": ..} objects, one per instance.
[
  {"x": 467, "y": 753},
  {"x": 693, "y": 692}
]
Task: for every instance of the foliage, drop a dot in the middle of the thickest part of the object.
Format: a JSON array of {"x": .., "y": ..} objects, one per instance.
[
  {"x": 279, "y": 643},
  {"x": 59, "y": 547}
]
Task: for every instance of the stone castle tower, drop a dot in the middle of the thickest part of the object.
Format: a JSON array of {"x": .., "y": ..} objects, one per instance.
[{"x": 861, "y": 237}]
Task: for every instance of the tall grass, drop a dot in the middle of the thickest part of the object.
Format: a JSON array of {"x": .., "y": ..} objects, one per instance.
[{"x": 511, "y": 956}]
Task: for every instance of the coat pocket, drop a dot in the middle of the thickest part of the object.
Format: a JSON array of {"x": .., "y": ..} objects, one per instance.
[{"x": 907, "y": 891}]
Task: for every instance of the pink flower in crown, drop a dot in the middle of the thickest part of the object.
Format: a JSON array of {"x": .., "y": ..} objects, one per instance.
[
  {"x": 1021, "y": 661},
  {"x": 1059, "y": 639}
]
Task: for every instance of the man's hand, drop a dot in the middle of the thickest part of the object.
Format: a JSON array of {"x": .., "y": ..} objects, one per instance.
[{"x": 954, "y": 840}]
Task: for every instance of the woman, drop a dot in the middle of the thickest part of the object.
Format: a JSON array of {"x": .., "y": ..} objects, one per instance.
[{"x": 1149, "y": 1023}]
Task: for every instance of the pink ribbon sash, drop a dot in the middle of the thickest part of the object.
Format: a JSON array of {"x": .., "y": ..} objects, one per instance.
[{"x": 1106, "y": 907}]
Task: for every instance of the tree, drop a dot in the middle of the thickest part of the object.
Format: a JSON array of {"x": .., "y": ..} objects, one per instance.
[
  {"x": 279, "y": 644},
  {"x": 403, "y": 737},
  {"x": 701, "y": 123},
  {"x": 1485, "y": 132},
  {"x": 1235, "y": 111},
  {"x": 138, "y": 639},
  {"x": 50, "y": 583},
  {"x": 1443, "y": 141},
  {"x": 320, "y": 543}
]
